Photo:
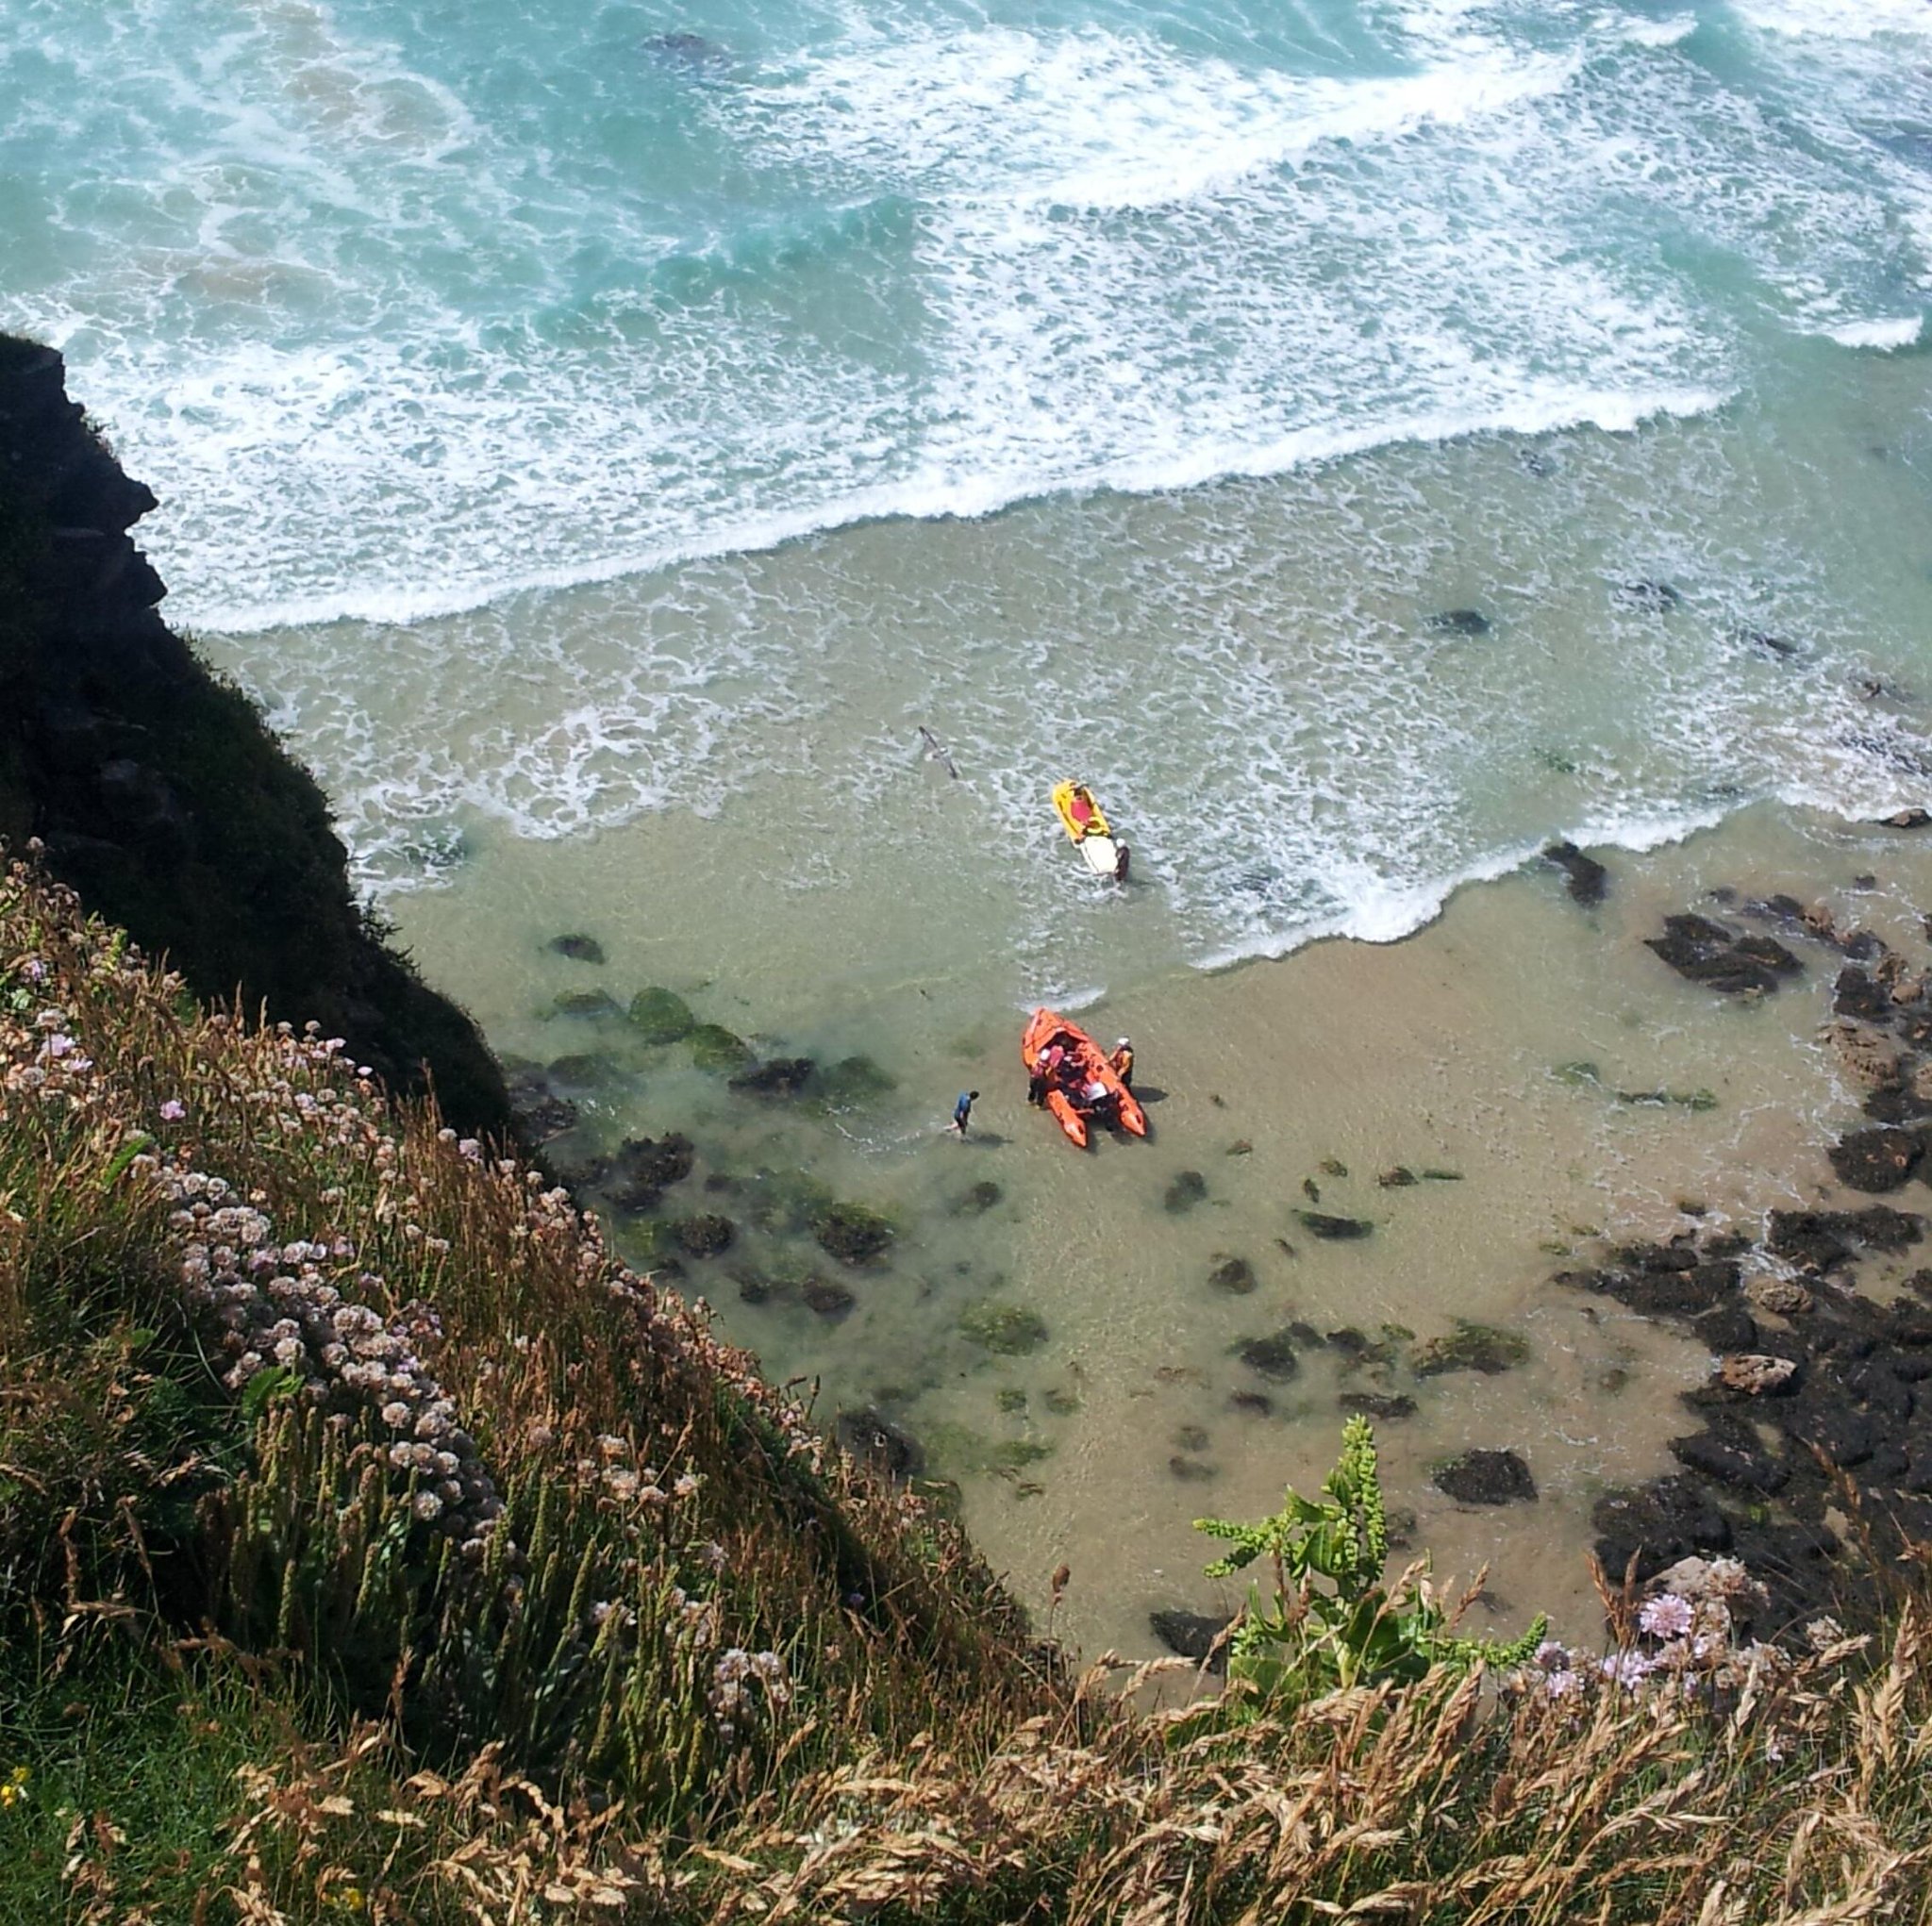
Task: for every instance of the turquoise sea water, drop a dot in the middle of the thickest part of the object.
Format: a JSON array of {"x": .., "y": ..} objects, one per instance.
[{"x": 1266, "y": 332}]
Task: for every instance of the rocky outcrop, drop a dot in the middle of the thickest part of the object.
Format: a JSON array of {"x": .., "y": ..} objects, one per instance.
[{"x": 158, "y": 790}]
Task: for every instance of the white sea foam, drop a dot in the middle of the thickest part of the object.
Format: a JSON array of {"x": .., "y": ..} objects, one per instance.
[
  {"x": 1851, "y": 20},
  {"x": 1902, "y": 331}
]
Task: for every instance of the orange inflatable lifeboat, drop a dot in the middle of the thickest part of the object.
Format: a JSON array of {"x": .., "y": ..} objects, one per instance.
[{"x": 1083, "y": 1087}]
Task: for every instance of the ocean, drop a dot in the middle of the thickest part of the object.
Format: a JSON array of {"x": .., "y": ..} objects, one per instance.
[{"x": 1367, "y": 441}]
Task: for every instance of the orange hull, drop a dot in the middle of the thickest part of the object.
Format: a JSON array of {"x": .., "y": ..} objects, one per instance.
[{"x": 1088, "y": 1066}]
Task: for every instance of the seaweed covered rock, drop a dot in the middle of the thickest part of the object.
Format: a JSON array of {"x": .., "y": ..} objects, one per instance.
[
  {"x": 1009, "y": 1330},
  {"x": 1272, "y": 1357},
  {"x": 662, "y": 1016},
  {"x": 852, "y": 1082},
  {"x": 703, "y": 1236},
  {"x": 1335, "y": 1230},
  {"x": 577, "y": 947},
  {"x": 1469, "y": 1347},
  {"x": 853, "y": 1234},
  {"x": 718, "y": 1050},
  {"x": 878, "y": 1444}
]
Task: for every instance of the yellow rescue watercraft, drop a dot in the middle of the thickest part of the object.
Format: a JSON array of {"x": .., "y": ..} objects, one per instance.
[{"x": 1081, "y": 816}]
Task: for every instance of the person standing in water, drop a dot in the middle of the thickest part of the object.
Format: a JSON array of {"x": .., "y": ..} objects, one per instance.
[
  {"x": 962, "y": 1110},
  {"x": 1122, "y": 1061}
]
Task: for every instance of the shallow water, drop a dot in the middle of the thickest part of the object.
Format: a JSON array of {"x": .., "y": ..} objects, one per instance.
[{"x": 1456, "y": 1051}]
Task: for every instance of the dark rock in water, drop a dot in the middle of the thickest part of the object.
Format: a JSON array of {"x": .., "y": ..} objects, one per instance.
[
  {"x": 703, "y": 1236},
  {"x": 1668, "y": 1520},
  {"x": 715, "y": 1048},
  {"x": 1459, "y": 622},
  {"x": 1191, "y": 1438},
  {"x": 1302, "y": 1333},
  {"x": 587, "y": 1002},
  {"x": 1235, "y": 1274},
  {"x": 1662, "y": 1292},
  {"x": 1766, "y": 643},
  {"x": 1270, "y": 1357},
  {"x": 1729, "y": 1461},
  {"x": 1904, "y": 819},
  {"x": 1855, "y": 994},
  {"x": 578, "y": 947},
  {"x": 691, "y": 51},
  {"x": 1188, "y": 1189},
  {"x": 1190, "y": 1470},
  {"x": 824, "y": 1299},
  {"x": 1311, "y": 1190},
  {"x": 780, "y": 1076},
  {"x": 1588, "y": 879},
  {"x": 878, "y": 1444},
  {"x": 1820, "y": 1239},
  {"x": 1486, "y": 1478},
  {"x": 1480, "y": 1347},
  {"x": 1653, "y": 596},
  {"x": 1336, "y": 1229},
  {"x": 853, "y": 1081},
  {"x": 1728, "y": 1327},
  {"x": 1352, "y": 1343},
  {"x": 753, "y": 1286},
  {"x": 662, "y": 1016},
  {"x": 853, "y": 1234},
  {"x": 1332, "y": 1166},
  {"x": 643, "y": 1166},
  {"x": 1397, "y": 1179},
  {"x": 976, "y": 1200},
  {"x": 1192, "y": 1635},
  {"x": 1878, "y": 1159},
  {"x": 1260, "y": 1404},
  {"x": 542, "y": 1116},
  {"x": 1709, "y": 954},
  {"x": 1369, "y": 1405}
]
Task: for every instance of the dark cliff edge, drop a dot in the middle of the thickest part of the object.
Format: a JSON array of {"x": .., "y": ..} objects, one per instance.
[{"x": 158, "y": 790}]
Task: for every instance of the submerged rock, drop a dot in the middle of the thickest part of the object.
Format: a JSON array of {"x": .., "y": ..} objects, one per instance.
[
  {"x": 826, "y": 1299},
  {"x": 853, "y": 1081},
  {"x": 1371, "y": 1404},
  {"x": 1190, "y": 1470},
  {"x": 779, "y": 1076},
  {"x": 662, "y": 1016},
  {"x": 643, "y": 1167},
  {"x": 1458, "y": 621},
  {"x": 584, "y": 1070},
  {"x": 1235, "y": 1274},
  {"x": 976, "y": 1200},
  {"x": 1398, "y": 1178},
  {"x": 853, "y": 1234},
  {"x": 1188, "y": 1189},
  {"x": 1255, "y": 1403},
  {"x": 586, "y": 1003},
  {"x": 703, "y": 1236},
  {"x": 1481, "y": 1477},
  {"x": 1588, "y": 879},
  {"x": 1009, "y": 1330},
  {"x": 1470, "y": 1347},
  {"x": 715, "y": 1048},
  {"x": 1718, "y": 957},
  {"x": 1270, "y": 1357},
  {"x": 577, "y": 947},
  {"x": 1319, "y": 1224}
]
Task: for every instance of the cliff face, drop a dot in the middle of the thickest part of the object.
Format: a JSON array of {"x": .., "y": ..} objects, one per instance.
[{"x": 159, "y": 791}]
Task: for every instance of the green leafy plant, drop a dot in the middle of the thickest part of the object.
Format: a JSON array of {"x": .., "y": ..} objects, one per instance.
[{"x": 1332, "y": 1622}]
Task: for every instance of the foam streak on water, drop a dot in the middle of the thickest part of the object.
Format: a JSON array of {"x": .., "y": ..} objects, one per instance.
[{"x": 528, "y": 386}]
